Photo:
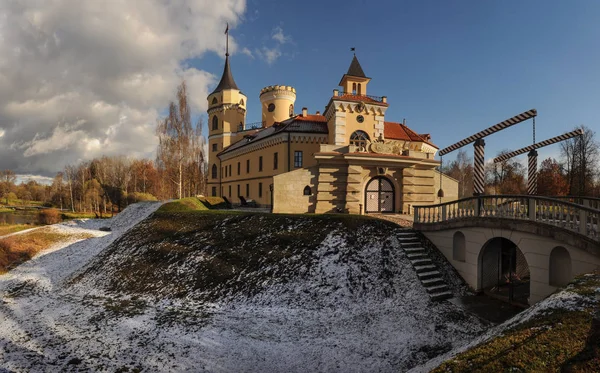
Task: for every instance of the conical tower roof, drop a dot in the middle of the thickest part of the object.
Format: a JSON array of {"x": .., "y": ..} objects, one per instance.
[
  {"x": 355, "y": 69},
  {"x": 227, "y": 81}
]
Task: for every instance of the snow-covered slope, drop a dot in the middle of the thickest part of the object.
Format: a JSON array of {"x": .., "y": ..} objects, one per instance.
[{"x": 233, "y": 293}]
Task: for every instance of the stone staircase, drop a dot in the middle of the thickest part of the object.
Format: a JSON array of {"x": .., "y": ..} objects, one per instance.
[{"x": 426, "y": 270}]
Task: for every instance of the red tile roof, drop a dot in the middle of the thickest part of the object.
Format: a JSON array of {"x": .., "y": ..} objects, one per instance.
[
  {"x": 398, "y": 131},
  {"x": 311, "y": 118}
]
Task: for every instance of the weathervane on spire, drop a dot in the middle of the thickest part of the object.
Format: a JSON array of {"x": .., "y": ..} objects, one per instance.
[
  {"x": 353, "y": 50},
  {"x": 227, "y": 40}
]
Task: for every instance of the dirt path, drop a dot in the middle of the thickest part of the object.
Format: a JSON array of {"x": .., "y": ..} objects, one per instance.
[{"x": 404, "y": 221}]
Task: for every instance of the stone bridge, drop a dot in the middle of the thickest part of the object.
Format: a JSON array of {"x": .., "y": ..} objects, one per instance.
[{"x": 520, "y": 248}]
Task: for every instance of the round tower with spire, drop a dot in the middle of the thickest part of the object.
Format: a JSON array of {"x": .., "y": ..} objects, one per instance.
[{"x": 226, "y": 116}]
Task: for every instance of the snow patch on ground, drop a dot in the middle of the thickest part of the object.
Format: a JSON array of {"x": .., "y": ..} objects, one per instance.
[{"x": 356, "y": 309}]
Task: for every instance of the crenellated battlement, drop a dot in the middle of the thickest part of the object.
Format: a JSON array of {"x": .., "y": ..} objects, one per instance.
[{"x": 278, "y": 89}]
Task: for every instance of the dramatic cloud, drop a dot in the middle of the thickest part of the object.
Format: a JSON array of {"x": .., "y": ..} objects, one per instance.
[{"x": 79, "y": 79}]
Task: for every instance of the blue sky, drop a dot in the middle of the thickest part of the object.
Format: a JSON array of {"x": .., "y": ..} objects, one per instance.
[{"x": 449, "y": 68}]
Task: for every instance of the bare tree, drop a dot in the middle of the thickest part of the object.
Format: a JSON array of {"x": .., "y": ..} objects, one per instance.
[
  {"x": 175, "y": 140},
  {"x": 581, "y": 155},
  {"x": 8, "y": 178},
  {"x": 71, "y": 173}
]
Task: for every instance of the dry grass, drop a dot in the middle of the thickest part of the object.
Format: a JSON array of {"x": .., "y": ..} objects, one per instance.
[
  {"x": 49, "y": 216},
  {"x": 12, "y": 228},
  {"x": 183, "y": 205},
  {"x": 17, "y": 249}
]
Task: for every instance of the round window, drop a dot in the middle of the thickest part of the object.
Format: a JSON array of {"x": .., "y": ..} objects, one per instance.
[
  {"x": 360, "y": 119},
  {"x": 271, "y": 108}
]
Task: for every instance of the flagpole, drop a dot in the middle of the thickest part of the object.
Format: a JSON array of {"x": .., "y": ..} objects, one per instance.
[{"x": 227, "y": 41}]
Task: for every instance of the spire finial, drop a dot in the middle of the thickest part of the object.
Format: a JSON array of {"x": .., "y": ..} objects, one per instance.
[
  {"x": 353, "y": 50},
  {"x": 227, "y": 40}
]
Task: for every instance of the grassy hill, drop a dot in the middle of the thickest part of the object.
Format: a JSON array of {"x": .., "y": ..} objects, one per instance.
[{"x": 561, "y": 333}]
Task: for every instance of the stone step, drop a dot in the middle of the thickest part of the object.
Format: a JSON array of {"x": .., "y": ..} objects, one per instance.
[
  {"x": 417, "y": 262},
  {"x": 441, "y": 296},
  {"x": 427, "y": 275},
  {"x": 417, "y": 255},
  {"x": 425, "y": 268},
  {"x": 411, "y": 244},
  {"x": 437, "y": 288},
  {"x": 432, "y": 281},
  {"x": 414, "y": 249}
]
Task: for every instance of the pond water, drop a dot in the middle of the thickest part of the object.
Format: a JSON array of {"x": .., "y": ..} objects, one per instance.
[{"x": 18, "y": 217}]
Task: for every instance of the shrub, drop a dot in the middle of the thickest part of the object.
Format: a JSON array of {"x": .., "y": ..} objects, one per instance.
[{"x": 49, "y": 216}]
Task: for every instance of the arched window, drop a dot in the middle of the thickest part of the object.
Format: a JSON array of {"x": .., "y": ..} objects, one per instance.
[
  {"x": 307, "y": 191},
  {"x": 353, "y": 88},
  {"x": 560, "y": 267},
  {"x": 214, "y": 171},
  {"x": 360, "y": 139},
  {"x": 242, "y": 102},
  {"x": 359, "y": 89},
  {"x": 291, "y": 110},
  {"x": 459, "y": 247},
  {"x": 240, "y": 126},
  {"x": 214, "y": 101},
  {"x": 215, "y": 123}
]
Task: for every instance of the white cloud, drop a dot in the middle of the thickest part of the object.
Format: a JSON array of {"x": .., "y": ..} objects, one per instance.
[
  {"x": 247, "y": 52},
  {"x": 80, "y": 79},
  {"x": 279, "y": 36},
  {"x": 269, "y": 55}
]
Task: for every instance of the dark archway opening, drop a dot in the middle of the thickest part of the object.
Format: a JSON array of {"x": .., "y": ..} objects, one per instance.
[{"x": 504, "y": 272}]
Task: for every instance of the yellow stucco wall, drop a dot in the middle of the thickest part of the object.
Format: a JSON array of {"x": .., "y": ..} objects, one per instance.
[
  {"x": 449, "y": 186},
  {"x": 288, "y": 193}
]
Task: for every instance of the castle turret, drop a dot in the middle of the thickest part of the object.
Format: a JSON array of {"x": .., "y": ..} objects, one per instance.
[
  {"x": 277, "y": 103},
  {"x": 355, "y": 81},
  {"x": 226, "y": 115}
]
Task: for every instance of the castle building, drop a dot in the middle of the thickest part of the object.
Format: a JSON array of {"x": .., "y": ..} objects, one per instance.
[{"x": 346, "y": 159}]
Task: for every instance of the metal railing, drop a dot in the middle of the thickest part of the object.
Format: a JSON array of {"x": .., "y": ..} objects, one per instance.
[
  {"x": 571, "y": 216},
  {"x": 356, "y": 95},
  {"x": 255, "y": 125}
]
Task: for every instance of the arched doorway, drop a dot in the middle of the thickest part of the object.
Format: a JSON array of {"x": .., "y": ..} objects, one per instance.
[
  {"x": 560, "y": 267},
  {"x": 379, "y": 195},
  {"x": 504, "y": 272}
]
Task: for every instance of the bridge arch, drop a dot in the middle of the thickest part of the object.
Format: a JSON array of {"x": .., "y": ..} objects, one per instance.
[
  {"x": 504, "y": 271},
  {"x": 459, "y": 247},
  {"x": 560, "y": 271}
]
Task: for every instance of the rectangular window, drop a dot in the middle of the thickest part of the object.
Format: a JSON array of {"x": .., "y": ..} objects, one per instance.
[
  {"x": 223, "y": 172},
  {"x": 259, "y": 190},
  {"x": 214, "y": 191},
  {"x": 230, "y": 191},
  {"x": 214, "y": 147},
  {"x": 297, "y": 158},
  {"x": 230, "y": 170},
  {"x": 247, "y": 166},
  {"x": 239, "y": 194},
  {"x": 239, "y": 167},
  {"x": 260, "y": 163},
  {"x": 247, "y": 190},
  {"x": 275, "y": 161}
]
